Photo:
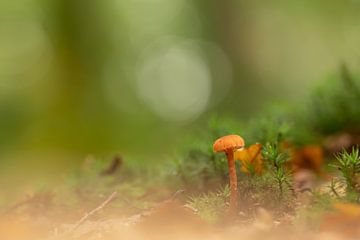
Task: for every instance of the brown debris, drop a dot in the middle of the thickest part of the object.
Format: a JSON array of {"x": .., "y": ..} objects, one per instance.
[
  {"x": 114, "y": 166},
  {"x": 344, "y": 140}
]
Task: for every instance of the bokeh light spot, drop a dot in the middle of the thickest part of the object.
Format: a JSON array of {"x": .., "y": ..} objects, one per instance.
[{"x": 174, "y": 81}]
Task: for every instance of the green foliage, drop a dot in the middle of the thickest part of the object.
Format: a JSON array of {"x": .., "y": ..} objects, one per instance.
[
  {"x": 279, "y": 123},
  {"x": 273, "y": 124},
  {"x": 349, "y": 166},
  {"x": 335, "y": 105},
  {"x": 276, "y": 161},
  {"x": 263, "y": 191},
  {"x": 210, "y": 206},
  {"x": 200, "y": 170}
]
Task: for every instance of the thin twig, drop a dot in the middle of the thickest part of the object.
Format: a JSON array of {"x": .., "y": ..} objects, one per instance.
[
  {"x": 92, "y": 212},
  {"x": 21, "y": 203},
  {"x": 333, "y": 188},
  {"x": 40, "y": 197},
  {"x": 177, "y": 194}
]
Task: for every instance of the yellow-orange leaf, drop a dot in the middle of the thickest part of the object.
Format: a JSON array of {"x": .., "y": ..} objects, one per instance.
[{"x": 251, "y": 159}]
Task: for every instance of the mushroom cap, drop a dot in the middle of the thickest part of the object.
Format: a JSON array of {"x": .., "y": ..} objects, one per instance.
[{"x": 229, "y": 142}]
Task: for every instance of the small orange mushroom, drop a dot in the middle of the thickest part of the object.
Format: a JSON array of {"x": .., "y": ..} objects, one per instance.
[{"x": 229, "y": 144}]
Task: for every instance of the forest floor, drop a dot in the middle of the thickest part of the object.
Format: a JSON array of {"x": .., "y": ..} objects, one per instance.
[{"x": 298, "y": 178}]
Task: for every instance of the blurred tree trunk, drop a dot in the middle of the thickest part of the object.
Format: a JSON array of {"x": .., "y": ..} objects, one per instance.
[{"x": 77, "y": 114}]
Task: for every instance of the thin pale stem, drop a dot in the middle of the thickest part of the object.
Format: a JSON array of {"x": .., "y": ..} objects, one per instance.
[{"x": 233, "y": 181}]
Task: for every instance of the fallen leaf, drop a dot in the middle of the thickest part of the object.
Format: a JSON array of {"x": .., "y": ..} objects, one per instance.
[
  {"x": 251, "y": 159},
  {"x": 343, "y": 140},
  {"x": 308, "y": 157}
]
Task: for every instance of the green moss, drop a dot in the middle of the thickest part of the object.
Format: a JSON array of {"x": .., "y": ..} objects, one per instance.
[{"x": 210, "y": 206}]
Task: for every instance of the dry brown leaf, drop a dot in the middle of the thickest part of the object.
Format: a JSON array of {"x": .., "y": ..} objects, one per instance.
[{"x": 308, "y": 157}]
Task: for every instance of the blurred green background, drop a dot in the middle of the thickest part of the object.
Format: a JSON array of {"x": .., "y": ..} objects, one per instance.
[{"x": 135, "y": 77}]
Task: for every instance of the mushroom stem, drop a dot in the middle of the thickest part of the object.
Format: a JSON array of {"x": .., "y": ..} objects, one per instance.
[{"x": 233, "y": 181}]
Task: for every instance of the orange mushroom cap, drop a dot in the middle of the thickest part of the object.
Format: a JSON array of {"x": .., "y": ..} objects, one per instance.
[{"x": 229, "y": 142}]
